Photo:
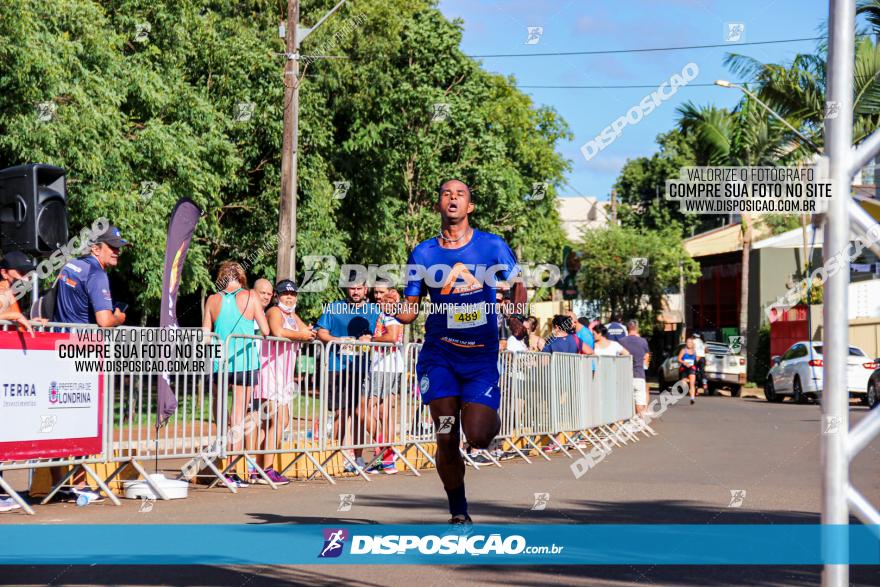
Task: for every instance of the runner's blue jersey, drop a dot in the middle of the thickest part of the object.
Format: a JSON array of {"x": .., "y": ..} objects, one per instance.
[{"x": 464, "y": 281}]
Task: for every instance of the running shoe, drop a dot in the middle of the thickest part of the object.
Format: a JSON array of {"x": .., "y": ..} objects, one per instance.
[
  {"x": 552, "y": 448},
  {"x": 360, "y": 464},
  {"x": 461, "y": 520},
  {"x": 7, "y": 504},
  {"x": 236, "y": 481},
  {"x": 387, "y": 468},
  {"x": 276, "y": 477},
  {"x": 482, "y": 459}
]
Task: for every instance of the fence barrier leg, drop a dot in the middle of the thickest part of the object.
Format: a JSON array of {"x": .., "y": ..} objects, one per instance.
[
  {"x": 427, "y": 455},
  {"x": 595, "y": 437},
  {"x": 573, "y": 443},
  {"x": 292, "y": 463},
  {"x": 91, "y": 473},
  {"x": 611, "y": 434},
  {"x": 519, "y": 452},
  {"x": 58, "y": 486},
  {"x": 250, "y": 461},
  {"x": 319, "y": 468},
  {"x": 351, "y": 461},
  {"x": 16, "y": 497},
  {"x": 116, "y": 471},
  {"x": 468, "y": 458},
  {"x": 559, "y": 444},
  {"x": 536, "y": 447},
  {"x": 221, "y": 478},
  {"x": 406, "y": 462},
  {"x": 156, "y": 489},
  {"x": 622, "y": 429}
]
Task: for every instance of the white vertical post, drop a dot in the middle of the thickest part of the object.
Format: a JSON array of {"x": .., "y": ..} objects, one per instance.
[{"x": 835, "y": 395}]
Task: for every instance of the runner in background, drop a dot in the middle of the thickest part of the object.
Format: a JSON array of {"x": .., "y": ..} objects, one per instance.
[{"x": 687, "y": 370}]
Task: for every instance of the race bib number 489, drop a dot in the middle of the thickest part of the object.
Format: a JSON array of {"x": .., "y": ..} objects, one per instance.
[{"x": 467, "y": 316}]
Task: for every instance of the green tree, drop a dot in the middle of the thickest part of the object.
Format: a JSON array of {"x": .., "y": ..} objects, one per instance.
[
  {"x": 187, "y": 97},
  {"x": 607, "y": 267},
  {"x": 641, "y": 187}
]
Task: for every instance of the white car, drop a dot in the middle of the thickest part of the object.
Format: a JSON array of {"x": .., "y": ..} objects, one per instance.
[
  {"x": 723, "y": 369},
  {"x": 798, "y": 372}
]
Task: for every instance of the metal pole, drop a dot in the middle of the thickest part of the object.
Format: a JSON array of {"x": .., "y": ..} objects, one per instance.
[
  {"x": 286, "y": 262},
  {"x": 835, "y": 396}
]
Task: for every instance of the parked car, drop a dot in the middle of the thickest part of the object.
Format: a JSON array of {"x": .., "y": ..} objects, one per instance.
[
  {"x": 724, "y": 368},
  {"x": 873, "y": 388},
  {"x": 798, "y": 373}
]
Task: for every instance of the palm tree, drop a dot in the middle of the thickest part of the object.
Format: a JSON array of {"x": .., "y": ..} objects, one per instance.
[{"x": 745, "y": 136}]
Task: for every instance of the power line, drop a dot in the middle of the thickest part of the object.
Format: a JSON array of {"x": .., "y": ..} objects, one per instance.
[
  {"x": 654, "y": 86},
  {"x": 648, "y": 50}
]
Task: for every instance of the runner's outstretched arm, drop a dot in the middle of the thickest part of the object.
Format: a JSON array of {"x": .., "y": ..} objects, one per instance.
[{"x": 410, "y": 310}]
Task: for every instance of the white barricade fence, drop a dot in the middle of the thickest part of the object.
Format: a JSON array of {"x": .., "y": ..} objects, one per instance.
[
  {"x": 266, "y": 396},
  {"x": 416, "y": 425},
  {"x": 526, "y": 400},
  {"x": 273, "y": 404},
  {"x": 361, "y": 388},
  {"x": 52, "y": 414},
  {"x": 192, "y": 432}
]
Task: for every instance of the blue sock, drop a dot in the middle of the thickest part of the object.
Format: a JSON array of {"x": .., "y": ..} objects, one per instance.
[{"x": 457, "y": 501}]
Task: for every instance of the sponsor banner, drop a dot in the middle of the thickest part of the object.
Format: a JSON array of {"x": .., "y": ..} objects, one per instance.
[
  {"x": 47, "y": 408},
  {"x": 613, "y": 544}
]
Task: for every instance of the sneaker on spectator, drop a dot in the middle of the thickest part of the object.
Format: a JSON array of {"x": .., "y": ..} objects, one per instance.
[
  {"x": 360, "y": 465},
  {"x": 236, "y": 481},
  {"x": 552, "y": 448},
  {"x": 276, "y": 477},
  {"x": 7, "y": 504},
  {"x": 482, "y": 459}
]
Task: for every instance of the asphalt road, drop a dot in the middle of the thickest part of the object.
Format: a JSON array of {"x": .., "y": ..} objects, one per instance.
[{"x": 683, "y": 475}]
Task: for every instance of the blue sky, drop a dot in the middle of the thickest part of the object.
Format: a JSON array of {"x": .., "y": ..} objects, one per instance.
[{"x": 579, "y": 25}]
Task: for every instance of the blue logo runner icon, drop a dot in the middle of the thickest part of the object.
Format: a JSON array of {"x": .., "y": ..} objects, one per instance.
[{"x": 334, "y": 540}]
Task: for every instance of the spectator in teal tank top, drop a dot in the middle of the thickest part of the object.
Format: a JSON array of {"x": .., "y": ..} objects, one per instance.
[{"x": 236, "y": 310}]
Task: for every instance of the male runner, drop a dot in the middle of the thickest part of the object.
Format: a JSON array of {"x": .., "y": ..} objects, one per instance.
[{"x": 458, "y": 363}]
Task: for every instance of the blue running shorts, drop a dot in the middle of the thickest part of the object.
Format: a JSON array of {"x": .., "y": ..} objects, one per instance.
[{"x": 472, "y": 377}]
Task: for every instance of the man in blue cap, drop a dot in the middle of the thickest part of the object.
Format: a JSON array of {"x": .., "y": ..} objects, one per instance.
[{"x": 83, "y": 288}]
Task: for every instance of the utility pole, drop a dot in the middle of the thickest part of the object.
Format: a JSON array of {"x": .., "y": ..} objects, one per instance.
[
  {"x": 286, "y": 262},
  {"x": 285, "y": 267}
]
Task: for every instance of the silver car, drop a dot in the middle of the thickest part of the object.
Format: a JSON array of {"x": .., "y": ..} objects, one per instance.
[{"x": 724, "y": 368}]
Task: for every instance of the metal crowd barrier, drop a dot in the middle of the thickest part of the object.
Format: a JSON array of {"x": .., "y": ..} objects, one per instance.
[
  {"x": 191, "y": 432},
  {"x": 270, "y": 396},
  {"x": 76, "y": 463}
]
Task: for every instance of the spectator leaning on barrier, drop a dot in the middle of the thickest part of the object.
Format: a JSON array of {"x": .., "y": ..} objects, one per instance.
[
  {"x": 583, "y": 334},
  {"x": 535, "y": 341},
  {"x": 348, "y": 321},
  {"x": 605, "y": 347},
  {"x": 14, "y": 267},
  {"x": 379, "y": 412},
  {"x": 641, "y": 354},
  {"x": 263, "y": 291},
  {"x": 278, "y": 375},
  {"x": 519, "y": 335},
  {"x": 83, "y": 287},
  {"x": 561, "y": 340},
  {"x": 236, "y": 310},
  {"x": 616, "y": 330},
  {"x": 84, "y": 297}
]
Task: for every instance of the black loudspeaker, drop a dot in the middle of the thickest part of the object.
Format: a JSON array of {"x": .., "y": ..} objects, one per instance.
[{"x": 33, "y": 208}]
